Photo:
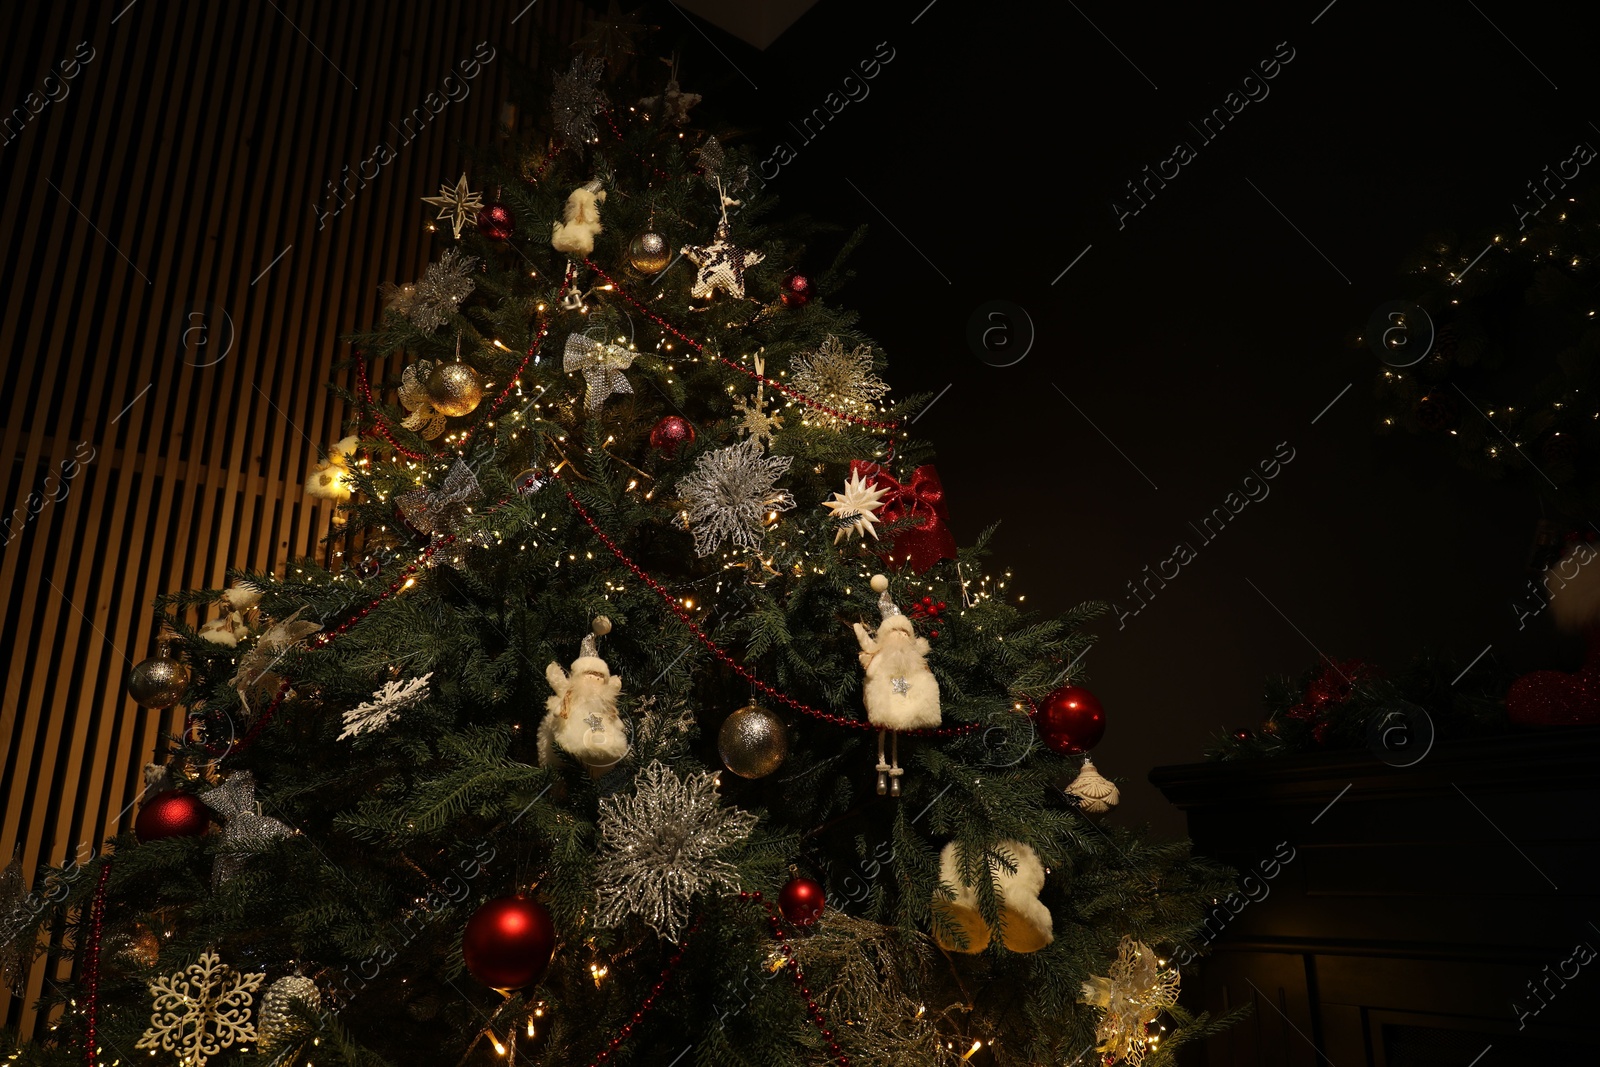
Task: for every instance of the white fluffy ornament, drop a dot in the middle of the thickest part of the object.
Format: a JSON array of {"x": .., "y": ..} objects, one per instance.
[
  {"x": 900, "y": 692},
  {"x": 1096, "y": 794},
  {"x": 581, "y": 718},
  {"x": 1025, "y": 923},
  {"x": 1574, "y": 585},
  {"x": 575, "y": 235},
  {"x": 330, "y": 478}
]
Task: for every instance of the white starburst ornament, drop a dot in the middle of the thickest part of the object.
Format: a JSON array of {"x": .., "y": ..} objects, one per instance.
[
  {"x": 1139, "y": 988},
  {"x": 201, "y": 1010},
  {"x": 839, "y": 378},
  {"x": 856, "y": 509},
  {"x": 662, "y": 846},
  {"x": 456, "y": 203},
  {"x": 385, "y": 706},
  {"x": 730, "y": 493}
]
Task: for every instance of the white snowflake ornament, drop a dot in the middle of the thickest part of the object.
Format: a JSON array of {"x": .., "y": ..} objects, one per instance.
[
  {"x": 385, "y": 706},
  {"x": 201, "y": 1010}
]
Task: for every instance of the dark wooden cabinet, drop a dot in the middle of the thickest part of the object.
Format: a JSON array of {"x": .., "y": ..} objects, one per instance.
[{"x": 1444, "y": 914}]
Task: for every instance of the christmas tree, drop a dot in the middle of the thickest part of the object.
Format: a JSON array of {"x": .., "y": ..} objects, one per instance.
[{"x": 643, "y": 709}]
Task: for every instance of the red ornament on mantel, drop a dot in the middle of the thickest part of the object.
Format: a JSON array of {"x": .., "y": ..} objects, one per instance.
[
  {"x": 1071, "y": 720},
  {"x": 670, "y": 434},
  {"x": 508, "y": 942},
  {"x": 171, "y": 814},
  {"x": 1556, "y": 698},
  {"x": 801, "y": 900}
]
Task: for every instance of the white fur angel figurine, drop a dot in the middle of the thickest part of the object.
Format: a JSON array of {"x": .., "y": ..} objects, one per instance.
[
  {"x": 901, "y": 693},
  {"x": 581, "y": 718},
  {"x": 575, "y": 234}
]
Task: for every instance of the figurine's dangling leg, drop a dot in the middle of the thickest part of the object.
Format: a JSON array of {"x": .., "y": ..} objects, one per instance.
[
  {"x": 894, "y": 758},
  {"x": 883, "y": 768}
]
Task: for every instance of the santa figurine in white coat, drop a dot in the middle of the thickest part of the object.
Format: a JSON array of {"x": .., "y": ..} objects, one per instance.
[
  {"x": 900, "y": 693},
  {"x": 581, "y": 718}
]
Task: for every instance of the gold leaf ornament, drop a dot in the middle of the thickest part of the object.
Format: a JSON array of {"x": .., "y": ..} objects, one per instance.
[
  {"x": 424, "y": 418},
  {"x": 1139, "y": 988}
]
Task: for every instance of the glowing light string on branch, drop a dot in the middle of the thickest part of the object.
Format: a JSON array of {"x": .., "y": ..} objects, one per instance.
[
  {"x": 727, "y": 658},
  {"x": 792, "y": 394}
]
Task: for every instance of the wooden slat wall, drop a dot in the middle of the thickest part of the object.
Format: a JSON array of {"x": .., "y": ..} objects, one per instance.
[{"x": 189, "y": 152}]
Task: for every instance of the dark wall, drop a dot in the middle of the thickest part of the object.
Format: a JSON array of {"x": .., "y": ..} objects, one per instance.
[{"x": 1181, "y": 349}]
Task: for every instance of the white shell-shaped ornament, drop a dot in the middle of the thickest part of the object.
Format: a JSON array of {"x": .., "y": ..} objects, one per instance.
[{"x": 1095, "y": 793}]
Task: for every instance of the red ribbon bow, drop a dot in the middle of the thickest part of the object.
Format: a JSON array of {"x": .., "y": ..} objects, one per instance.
[{"x": 928, "y": 539}]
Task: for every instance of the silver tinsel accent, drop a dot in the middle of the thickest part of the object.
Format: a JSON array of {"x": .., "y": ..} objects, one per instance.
[
  {"x": 601, "y": 364},
  {"x": 246, "y": 831},
  {"x": 661, "y": 846},
  {"x": 729, "y": 494},
  {"x": 843, "y": 380},
  {"x": 279, "y": 1021},
  {"x": 430, "y": 302},
  {"x": 439, "y": 510},
  {"x": 577, "y": 98}
]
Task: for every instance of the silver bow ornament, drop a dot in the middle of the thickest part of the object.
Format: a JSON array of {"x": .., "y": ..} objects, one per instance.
[
  {"x": 602, "y": 366},
  {"x": 245, "y": 831}
]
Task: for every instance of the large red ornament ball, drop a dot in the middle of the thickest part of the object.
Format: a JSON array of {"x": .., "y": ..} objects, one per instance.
[
  {"x": 796, "y": 290},
  {"x": 670, "y": 434},
  {"x": 508, "y": 942},
  {"x": 1071, "y": 720},
  {"x": 171, "y": 814},
  {"x": 495, "y": 222},
  {"x": 801, "y": 901}
]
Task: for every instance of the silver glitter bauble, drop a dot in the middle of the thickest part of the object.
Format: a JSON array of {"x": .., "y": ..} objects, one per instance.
[
  {"x": 753, "y": 742},
  {"x": 279, "y": 1021},
  {"x": 649, "y": 252},
  {"x": 158, "y": 682},
  {"x": 455, "y": 389}
]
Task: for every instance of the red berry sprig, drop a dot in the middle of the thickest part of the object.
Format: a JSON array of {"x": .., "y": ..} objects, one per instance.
[{"x": 926, "y": 608}]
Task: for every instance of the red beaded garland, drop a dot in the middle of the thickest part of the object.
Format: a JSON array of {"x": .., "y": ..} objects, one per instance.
[
  {"x": 772, "y": 383},
  {"x": 666, "y": 972},
  {"x": 733, "y": 664},
  {"x": 91, "y": 965},
  {"x": 793, "y": 963}
]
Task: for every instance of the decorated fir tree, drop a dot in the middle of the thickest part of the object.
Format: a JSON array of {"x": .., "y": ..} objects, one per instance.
[{"x": 646, "y": 709}]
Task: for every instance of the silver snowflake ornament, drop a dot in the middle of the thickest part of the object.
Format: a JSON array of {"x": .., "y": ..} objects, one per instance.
[
  {"x": 385, "y": 706},
  {"x": 721, "y": 265},
  {"x": 838, "y": 377},
  {"x": 601, "y": 364},
  {"x": 577, "y": 98},
  {"x": 201, "y": 1010},
  {"x": 664, "y": 845},
  {"x": 730, "y": 493}
]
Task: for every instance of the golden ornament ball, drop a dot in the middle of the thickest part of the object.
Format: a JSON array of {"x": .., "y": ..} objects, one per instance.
[
  {"x": 753, "y": 742},
  {"x": 158, "y": 682},
  {"x": 649, "y": 252},
  {"x": 454, "y": 389},
  {"x": 137, "y": 945}
]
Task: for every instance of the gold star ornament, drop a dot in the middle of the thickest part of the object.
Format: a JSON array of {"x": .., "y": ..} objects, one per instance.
[{"x": 456, "y": 203}]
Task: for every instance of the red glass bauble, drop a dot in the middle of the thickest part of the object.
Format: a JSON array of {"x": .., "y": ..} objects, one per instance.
[
  {"x": 801, "y": 901},
  {"x": 1071, "y": 720},
  {"x": 670, "y": 434},
  {"x": 171, "y": 814},
  {"x": 796, "y": 290},
  {"x": 1243, "y": 733},
  {"x": 495, "y": 222},
  {"x": 508, "y": 941}
]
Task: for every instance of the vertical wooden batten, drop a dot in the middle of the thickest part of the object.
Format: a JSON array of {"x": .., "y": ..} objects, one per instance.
[{"x": 187, "y": 157}]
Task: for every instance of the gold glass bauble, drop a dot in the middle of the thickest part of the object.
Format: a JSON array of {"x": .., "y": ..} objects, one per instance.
[
  {"x": 753, "y": 742},
  {"x": 454, "y": 389},
  {"x": 158, "y": 682},
  {"x": 649, "y": 252}
]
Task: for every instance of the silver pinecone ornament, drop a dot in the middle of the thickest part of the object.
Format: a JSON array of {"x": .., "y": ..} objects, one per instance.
[{"x": 280, "y": 1022}]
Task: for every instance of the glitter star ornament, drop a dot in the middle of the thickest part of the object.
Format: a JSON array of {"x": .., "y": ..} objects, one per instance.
[
  {"x": 423, "y": 417},
  {"x": 720, "y": 265},
  {"x": 601, "y": 365},
  {"x": 730, "y": 493},
  {"x": 577, "y": 98},
  {"x": 664, "y": 845},
  {"x": 856, "y": 509},
  {"x": 246, "y": 831},
  {"x": 1138, "y": 989},
  {"x": 457, "y": 204},
  {"x": 840, "y": 378},
  {"x": 753, "y": 418},
  {"x": 201, "y": 1010},
  {"x": 385, "y": 706}
]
